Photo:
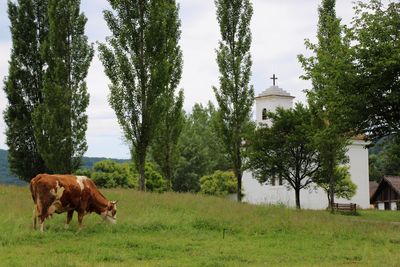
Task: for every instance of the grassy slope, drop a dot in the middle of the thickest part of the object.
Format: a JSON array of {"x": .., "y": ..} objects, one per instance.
[{"x": 186, "y": 230}]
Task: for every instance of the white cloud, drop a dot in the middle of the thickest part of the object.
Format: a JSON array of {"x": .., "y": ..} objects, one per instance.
[
  {"x": 104, "y": 135},
  {"x": 199, "y": 40}
]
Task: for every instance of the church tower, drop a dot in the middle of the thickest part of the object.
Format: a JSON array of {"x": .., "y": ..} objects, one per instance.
[{"x": 270, "y": 99}]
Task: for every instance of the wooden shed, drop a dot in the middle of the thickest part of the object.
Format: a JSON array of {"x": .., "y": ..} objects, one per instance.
[{"x": 387, "y": 195}]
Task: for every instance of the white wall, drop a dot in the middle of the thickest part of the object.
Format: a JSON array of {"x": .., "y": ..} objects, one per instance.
[
  {"x": 313, "y": 198},
  {"x": 359, "y": 172}
]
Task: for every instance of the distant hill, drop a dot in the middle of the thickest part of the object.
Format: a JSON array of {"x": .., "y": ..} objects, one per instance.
[
  {"x": 6, "y": 177},
  {"x": 88, "y": 162}
]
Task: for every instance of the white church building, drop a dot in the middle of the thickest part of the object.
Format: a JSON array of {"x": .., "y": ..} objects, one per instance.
[{"x": 314, "y": 197}]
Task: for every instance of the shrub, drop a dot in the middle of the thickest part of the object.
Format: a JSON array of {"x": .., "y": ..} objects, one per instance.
[
  {"x": 154, "y": 180},
  {"x": 219, "y": 183},
  {"x": 110, "y": 174}
]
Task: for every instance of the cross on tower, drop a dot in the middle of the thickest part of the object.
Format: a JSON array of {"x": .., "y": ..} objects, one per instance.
[{"x": 274, "y": 78}]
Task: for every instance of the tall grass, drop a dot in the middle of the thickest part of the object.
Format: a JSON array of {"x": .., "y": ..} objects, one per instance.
[{"x": 193, "y": 230}]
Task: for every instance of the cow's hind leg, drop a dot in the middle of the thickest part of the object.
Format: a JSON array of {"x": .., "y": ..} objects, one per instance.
[
  {"x": 80, "y": 219},
  {"x": 34, "y": 217},
  {"x": 70, "y": 213}
]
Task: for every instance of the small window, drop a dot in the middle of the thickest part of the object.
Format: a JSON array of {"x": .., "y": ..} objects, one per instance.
[
  {"x": 280, "y": 180},
  {"x": 273, "y": 181},
  {"x": 264, "y": 114}
]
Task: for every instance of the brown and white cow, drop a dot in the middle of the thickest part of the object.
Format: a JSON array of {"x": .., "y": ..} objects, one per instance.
[{"x": 68, "y": 193}]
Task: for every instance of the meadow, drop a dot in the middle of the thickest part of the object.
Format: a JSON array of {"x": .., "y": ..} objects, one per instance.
[{"x": 193, "y": 230}]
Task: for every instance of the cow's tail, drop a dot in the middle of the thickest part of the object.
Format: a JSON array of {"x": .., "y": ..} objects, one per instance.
[
  {"x": 32, "y": 192},
  {"x": 32, "y": 187},
  {"x": 34, "y": 216}
]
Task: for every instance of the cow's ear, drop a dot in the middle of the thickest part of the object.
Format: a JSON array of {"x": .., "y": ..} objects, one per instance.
[{"x": 114, "y": 202}]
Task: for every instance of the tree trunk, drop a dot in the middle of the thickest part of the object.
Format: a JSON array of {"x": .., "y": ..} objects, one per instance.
[
  {"x": 331, "y": 192},
  {"x": 297, "y": 192},
  {"x": 329, "y": 198},
  {"x": 168, "y": 170},
  {"x": 141, "y": 165},
  {"x": 239, "y": 185}
]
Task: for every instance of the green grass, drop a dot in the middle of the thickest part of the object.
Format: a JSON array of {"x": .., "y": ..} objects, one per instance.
[{"x": 187, "y": 230}]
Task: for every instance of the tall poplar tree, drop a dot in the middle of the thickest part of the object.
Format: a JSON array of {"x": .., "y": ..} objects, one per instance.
[
  {"x": 165, "y": 143},
  {"x": 23, "y": 85},
  {"x": 60, "y": 120},
  {"x": 330, "y": 71},
  {"x": 143, "y": 61},
  {"x": 235, "y": 96}
]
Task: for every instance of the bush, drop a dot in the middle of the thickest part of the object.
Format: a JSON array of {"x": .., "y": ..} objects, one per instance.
[
  {"x": 154, "y": 180},
  {"x": 84, "y": 172},
  {"x": 218, "y": 184},
  {"x": 110, "y": 174}
]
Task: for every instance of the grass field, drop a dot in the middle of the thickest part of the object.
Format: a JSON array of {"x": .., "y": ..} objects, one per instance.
[{"x": 187, "y": 230}]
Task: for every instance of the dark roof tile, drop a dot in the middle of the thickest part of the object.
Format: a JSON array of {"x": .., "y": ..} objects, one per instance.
[
  {"x": 394, "y": 181},
  {"x": 372, "y": 188}
]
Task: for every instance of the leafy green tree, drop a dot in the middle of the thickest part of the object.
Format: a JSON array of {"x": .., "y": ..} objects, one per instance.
[
  {"x": 164, "y": 149},
  {"x": 143, "y": 62},
  {"x": 235, "y": 96},
  {"x": 376, "y": 171},
  {"x": 375, "y": 101},
  {"x": 218, "y": 184},
  {"x": 60, "y": 120},
  {"x": 331, "y": 71},
  {"x": 386, "y": 160},
  {"x": 23, "y": 85},
  {"x": 332, "y": 148},
  {"x": 344, "y": 187},
  {"x": 285, "y": 150},
  {"x": 391, "y": 156},
  {"x": 201, "y": 151}
]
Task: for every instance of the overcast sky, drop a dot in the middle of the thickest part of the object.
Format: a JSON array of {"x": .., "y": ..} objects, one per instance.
[{"x": 279, "y": 28}]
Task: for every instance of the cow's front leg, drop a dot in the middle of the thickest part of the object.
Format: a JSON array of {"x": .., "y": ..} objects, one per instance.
[
  {"x": 42, "y": 218},
  {"x": 70, "y": 213}
]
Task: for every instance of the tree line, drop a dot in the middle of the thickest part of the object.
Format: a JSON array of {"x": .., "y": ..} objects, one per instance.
[{"x": 354, "y": 72}]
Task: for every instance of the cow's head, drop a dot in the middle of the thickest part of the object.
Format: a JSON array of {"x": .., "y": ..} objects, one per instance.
[{"x": 110, "y": 214}]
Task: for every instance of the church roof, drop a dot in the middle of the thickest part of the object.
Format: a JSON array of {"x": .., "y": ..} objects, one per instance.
[{"x": 274, "y": 91}]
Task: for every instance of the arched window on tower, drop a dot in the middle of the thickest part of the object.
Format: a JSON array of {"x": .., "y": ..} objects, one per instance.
[{"x": 264, "y": 114}]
